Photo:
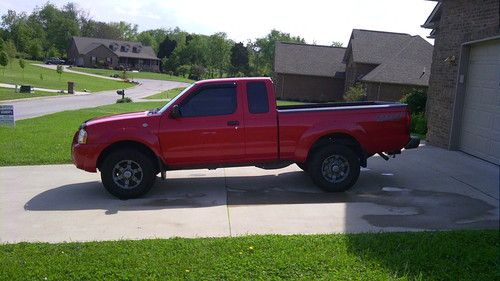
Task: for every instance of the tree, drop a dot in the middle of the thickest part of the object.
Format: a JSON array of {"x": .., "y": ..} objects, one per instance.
[
  {"x": 22, "y": 64},
  {"x": 166, "y": 48},
  {"x": 219, "y": 53},
  {"x": 4, "y": 60},
  {"x": 53, "y": 52},
  {"x": 59, "y": 70},
  {"x": 355, "y": 93},
  {"x": 10, "y": 49},
  {"x": 337, "y": 44},
  {"x": 127, "y": 31},
  {"x": 239, "y": 59},
  {"x": 35, "y": 50},
  {"x": 1, "y": 43}
]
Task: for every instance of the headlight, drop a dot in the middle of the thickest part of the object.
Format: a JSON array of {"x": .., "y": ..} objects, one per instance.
[{"x": 82, "y": 136}]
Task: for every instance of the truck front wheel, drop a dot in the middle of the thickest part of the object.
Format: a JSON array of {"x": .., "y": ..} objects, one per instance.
[
  {"x": 127, "y": 173},
  {"x": 334, "y": 168}
]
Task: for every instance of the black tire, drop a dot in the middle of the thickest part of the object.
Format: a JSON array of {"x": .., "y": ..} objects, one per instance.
[
  {"x": 118, "y": 182},
  {"x": 302, "y": 166},
  {"x": 334, "y": 168}
]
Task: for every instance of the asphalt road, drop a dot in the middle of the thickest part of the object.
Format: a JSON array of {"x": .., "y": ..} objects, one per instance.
[
  {"x": 423, "y": 189},
  {"x": 30, "y": 108}
]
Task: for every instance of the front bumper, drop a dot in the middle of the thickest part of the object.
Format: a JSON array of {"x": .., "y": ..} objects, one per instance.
[
  {"x": 85, "y": 156},
  {"x": 413, "y": 143}
]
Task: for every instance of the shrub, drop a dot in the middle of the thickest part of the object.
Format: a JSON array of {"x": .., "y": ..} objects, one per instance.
[
  {"x": 124, "y": 100},
  {"x": 183, "y": 70},
  {"x": 355, "y": 93},
  {"x": 415, "y": 99},
  {"x": 418, "y": 123},
  {"x": 197, "y": 72}
]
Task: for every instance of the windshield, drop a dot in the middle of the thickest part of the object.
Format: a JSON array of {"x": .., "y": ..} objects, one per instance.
[{"x": 172, "y": 101}]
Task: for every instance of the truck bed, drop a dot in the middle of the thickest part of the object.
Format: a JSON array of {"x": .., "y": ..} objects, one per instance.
[{"x": 338, "y": 106}]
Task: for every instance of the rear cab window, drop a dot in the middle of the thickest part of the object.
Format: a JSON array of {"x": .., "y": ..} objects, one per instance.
[{"x": 257, "y": 97}]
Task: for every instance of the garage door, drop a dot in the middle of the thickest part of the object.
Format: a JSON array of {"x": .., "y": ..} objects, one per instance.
[{"x": 480, "y": 130}]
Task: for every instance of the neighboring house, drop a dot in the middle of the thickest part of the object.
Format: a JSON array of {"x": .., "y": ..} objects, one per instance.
[
  {"x": 387, "y": 64},
  {"x": 463, "y": 104},
  {"x": 97, "y": 52},
  {"x": 309, "y": 72}
]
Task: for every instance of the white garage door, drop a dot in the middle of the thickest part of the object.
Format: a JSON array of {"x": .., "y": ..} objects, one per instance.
[{"x": 480, "y": 130}]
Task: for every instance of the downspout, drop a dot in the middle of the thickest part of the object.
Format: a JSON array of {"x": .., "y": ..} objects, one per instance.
[{"x": 378, "y": 91}]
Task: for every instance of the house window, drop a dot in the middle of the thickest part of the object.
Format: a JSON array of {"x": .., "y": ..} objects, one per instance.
[
  {"x": 109, "y": 60},
  {"x": 93, "y": 59}
]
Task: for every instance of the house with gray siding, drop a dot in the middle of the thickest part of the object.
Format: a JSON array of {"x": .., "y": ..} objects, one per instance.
[{"x": 109, "y": 53}]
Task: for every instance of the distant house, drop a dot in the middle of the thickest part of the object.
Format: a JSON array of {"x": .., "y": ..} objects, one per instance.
[
  {"x": 309, "y": 72},
  {"x": 386, "y": 63},
  {"x": 98, "y": 52},
  {"x": 463, "y": 101}
]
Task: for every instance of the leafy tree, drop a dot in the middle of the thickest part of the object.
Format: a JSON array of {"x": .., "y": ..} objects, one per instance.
[
  {"x": 59, "y": 70},
  {"x": 355, "y": 93},
  {"x": 35, "y": 50},
  {"x": 1, "y": 43},
  {"x": 146, "y": 39},
  {"x": 197, "y": 72},
  {"x": 219, "y": 53},
  {"x": 11, "y": 50},
  {"x": 166, "y": 48},
  {"x": 22, "y": 65},
  {"x": 239, "y": 59},
  {"x": 416, "y": 100},
  {"x": 126, "y": 30},
  {"x": 337, "y": 44},
  {"x": 53, "y": 52},
  {"x": 4, "y": 60}
]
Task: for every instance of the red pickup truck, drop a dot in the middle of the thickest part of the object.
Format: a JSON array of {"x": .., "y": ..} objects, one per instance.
[{"x": 235, "y": 122}]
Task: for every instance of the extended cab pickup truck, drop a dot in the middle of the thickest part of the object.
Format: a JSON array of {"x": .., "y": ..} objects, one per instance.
[{"x": 235, "y": 122}]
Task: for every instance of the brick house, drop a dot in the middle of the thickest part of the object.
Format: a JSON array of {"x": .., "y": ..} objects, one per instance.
[
  {"x": 98, "y": 52},
  {"x": 463, "y": 105},
  {"x": 387, "y": 64},
  {"x": 309, "y": 72}
]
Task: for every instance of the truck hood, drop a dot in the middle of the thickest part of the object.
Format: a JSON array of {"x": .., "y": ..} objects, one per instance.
[{"x": 117, "y": 117}]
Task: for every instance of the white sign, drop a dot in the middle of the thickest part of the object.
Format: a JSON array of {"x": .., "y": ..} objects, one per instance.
[{"x": 7, "y": 115}]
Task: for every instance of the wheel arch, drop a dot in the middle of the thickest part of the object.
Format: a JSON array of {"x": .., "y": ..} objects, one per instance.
[
  {"x": 340, "y": 139},
  {"x": 129, "y": 144}
]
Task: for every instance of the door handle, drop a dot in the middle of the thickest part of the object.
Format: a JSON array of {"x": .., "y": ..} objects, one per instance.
[{"x": 233, "y": 123}]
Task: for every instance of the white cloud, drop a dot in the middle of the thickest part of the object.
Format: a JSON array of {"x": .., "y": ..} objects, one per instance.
[{"x": 316, "y": 20}]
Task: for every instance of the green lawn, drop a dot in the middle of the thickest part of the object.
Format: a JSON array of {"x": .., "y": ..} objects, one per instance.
[
  {"x": 131, "y": 75},
  {"x": 168, "y": 94},
  {"x": 288, "y": 102},
  {"x": 47, "y": 139},
  {"x": 10, "y": 94},
  {"x": 456, "y": 255},
  {"x": 48, "y": 78}
]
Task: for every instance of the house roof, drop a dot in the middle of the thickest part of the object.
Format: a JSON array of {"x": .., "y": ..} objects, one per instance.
[
  {"x": 87, "y": 44},
  {"x": 304, "y": 59},
  {"x": 432, "y": 21},
  {"x": 375, "y": 47},
  {"x": 410, "y": 65}
]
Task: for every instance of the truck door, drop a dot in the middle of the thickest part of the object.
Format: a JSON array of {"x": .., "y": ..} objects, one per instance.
[
  {"x": 209, "y": 130},
  {"x": 261, "y": 123}
]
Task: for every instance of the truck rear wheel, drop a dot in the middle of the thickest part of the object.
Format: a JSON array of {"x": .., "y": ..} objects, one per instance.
[
  {"x": 334, "y": 168},
  {"x": 127, "y": 173}
]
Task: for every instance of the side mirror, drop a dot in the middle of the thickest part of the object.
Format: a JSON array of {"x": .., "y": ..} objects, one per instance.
[{"x": 175, "y": 113}]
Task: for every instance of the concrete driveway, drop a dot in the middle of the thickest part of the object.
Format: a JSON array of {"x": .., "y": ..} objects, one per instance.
[
  {"x": 30, "y": 108},
  {"x": 424, "y": 189}
]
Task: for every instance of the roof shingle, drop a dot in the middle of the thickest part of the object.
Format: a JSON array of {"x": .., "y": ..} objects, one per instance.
[
  {"x": 86, "y": 44},
  {"x": 314, "y": 60}
]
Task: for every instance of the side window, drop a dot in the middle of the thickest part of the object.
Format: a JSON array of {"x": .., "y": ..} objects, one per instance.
[
  {"x": 257, "y": 97},
  {"x": 210, "y": 102}
]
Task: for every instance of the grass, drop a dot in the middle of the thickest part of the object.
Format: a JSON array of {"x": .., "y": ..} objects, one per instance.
[
  {"x": 143, "y": 75},
  {"x": 48, "y": 78},
  {"x": 168, "y": 94},
  {"x": 454, "y": 255},
  {"x": 10, "y": 94},
  {"x": 47, "y": 139},
  {"x": 289, "y": 102}
]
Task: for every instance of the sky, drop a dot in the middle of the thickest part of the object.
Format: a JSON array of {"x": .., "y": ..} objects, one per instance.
[{"x": 318, "y": 21}]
